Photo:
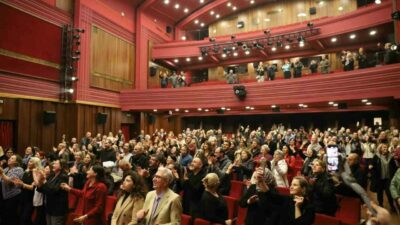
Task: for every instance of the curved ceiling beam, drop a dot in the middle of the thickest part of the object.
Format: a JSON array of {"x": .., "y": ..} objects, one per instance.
[
  {"x": 205, "y": 9},
  {"x": 147, "y": 3}
]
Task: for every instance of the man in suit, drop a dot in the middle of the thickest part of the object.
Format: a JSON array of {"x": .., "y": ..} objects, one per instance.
[{"x": 162, "y": 206}]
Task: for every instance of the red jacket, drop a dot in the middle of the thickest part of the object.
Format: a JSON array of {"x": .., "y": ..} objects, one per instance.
[{"x": 92, "y": 200}]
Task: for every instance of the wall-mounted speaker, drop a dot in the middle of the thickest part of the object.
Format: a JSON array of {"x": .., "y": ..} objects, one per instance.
[
  {"x": 240, "y": 24},
  {"x": 313, "y": 11},
  {"x": 240, "y": 91},
  {"x": 342, "y": 105},
  {"x": 101, "y": 118},
  {"x": 168, "y": 29},
  {"x": 49, "y": 117},
  {"x": 153, "y": 71}
]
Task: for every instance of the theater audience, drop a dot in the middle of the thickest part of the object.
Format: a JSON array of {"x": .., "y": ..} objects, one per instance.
[
  {"x": 306, "y": 169},
  {"x": 244, "y": 166},
  {"x": 324, "y": 65},
  {"x": 279, "y": 169}
]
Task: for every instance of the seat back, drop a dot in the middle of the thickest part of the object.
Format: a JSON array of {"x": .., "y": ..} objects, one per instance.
[
  {"x": 199, "y": 221},
  {"x": 109, "y": 207},
  {"x": 321, "y": 219},
  {"x": 232, "y": 204},
  {"x": 242, "y": 212},
  {"x": 185, "y": 219},
  {"x": 283, "y": 190},
  {"x": 236, "y": 189}
]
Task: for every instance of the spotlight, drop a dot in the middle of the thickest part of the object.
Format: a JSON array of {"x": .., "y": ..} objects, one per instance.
[
  {"x": 79, "y": 30},
  {"x": 270, "y": 43},
  {"x": 244, "y": 46},
  {"x": 212, "y": 39},
  {"x": 216, "y": 49},
  {"x": 310, "y": 25},
  {"x": 76, "y": 36},
  {"x": 396, "y": 15},
  {"x": 258, "y": 45},
  {"x": 267, "y": 32},
  {"x": 75, "y": 58},
  {"x": 70, "y": 90},
  {"x": 300, "y": 39},
  {"x": 279, "y": 44},
  {"x": 74, "y": 78},
  {"x": 394, "y": 47},
  {"x": 77, "y": 52},
  {"x": 203, "y": 51}
]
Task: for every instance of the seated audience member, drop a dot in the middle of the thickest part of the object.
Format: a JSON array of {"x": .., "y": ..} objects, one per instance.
[
  {"x": 323, "y": 189},
  {"x": 383, "y": 169},
  {"x": 93, "y": 195},
  {"x": 292, "y": 210},
  {"x": 56, "y": 200},
  {"x": 212, "y": 204},
  {"x": 279, "y": 169},
  {"x": 223, "y": 162},
  {"x": 161, "y": 206},
  {"x": 250, "y": 200},
  {"x": 11, "y": 194},
  {"x": 297, "y": 69},
  {"x": 306, "y": 169},
  {"x": 130, "y": 200},
  {"x": 324, "y": 64},
  {"x": 244, "y": 166},
  {"x": 286, "y": 69},
  {"x": 313, "y": 66},
  {"x": 395, "y": 183},
  {"x": 271, "y": 69}
]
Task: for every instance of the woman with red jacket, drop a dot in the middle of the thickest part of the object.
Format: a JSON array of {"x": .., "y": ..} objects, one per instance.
[
  {"x": 290, "y": 161},
  {"x": 93, "y": 197}
]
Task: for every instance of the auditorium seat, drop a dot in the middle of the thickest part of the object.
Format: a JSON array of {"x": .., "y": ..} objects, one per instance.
[
  {"x": 241, "y": 217},
  {"x": 349, "y": 211},
  {"x": 232, "y": 204},
  {"x": 236, "y": 189},
  {"x": 185, "y": 219},
  {"x": 199, "y": 221},
  {"x": 283, "y": 190},
  {"x": 109, "y": 208},
  {"x": 321, "y": 219}
]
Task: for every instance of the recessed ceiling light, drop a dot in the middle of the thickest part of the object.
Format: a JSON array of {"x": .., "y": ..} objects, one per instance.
[
  {"x": 122, "y": 14},
  {"x": 212, "y": 13},
  {"x": 247, "y": 52},
  {"x": 223, "y": 108},
  {"x": 183, "y": 38},
  {"x": 340, "y": 8},
  {"x": 229, "y": 4},
  {"x": 335, "y": 104},
  {"x": 368, "y": 103},
  {"x": 217, "y": 16},
  {"x": 228, "y": 109},
  {"x": 176, "y": 110},
  {"x": 252, "y": 108},
  {"x": 235, "y": 54},
  {"x": 252, "y": 2},
  {"x": 202, "y": 24},
  {"x": 273, "y": 49},
  {"x": 223, "y": 55},
  {"x": 206, "y": 110},
  {"x": 196, "y": 21},
  {"x": 352, "y": 36},
  {"x": 247, "y": 107},
  {"x": 280, "y": 10},
  {"x": 234, "y": 8},
  {"x": 320, "y": 2},
  {"x": 200, "y": 58},
  {"x": 287, "y": 46},
  {"x": 155, "y": 110},
  {"x": 302, "y": 14},
  {"x": 273, "y": 106},
  {"x": 199, "y": 109},
  {"x": 155, "y": 20},
  {"x": 267, "y": 20},
  {"x": 186, "y": 10},
  {"x": 301, "y": 105},
  {"x": 177, "y": 6},
  {"x": 301, "y": 43},
  {"x": 305, "y": 106},
  {"x": 364, "y": 100},
  {"x": 333, "y": 39},
  {"x": 186, "y": 111},
  {"x": 176, "y": 60},
  {"x": 331, "y": 103},
  {"x": 187, "y": 59},
  {"x": 166, "y": 2},
  {"x": 372, "y": 32},
  {"x": 378, "y": 2}
]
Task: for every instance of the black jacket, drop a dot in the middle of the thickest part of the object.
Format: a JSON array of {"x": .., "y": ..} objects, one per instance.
[
  {"x": 56, "y": 198},
  {"x": 323, "y": 195},
  {"x": 213, "y": 209}
]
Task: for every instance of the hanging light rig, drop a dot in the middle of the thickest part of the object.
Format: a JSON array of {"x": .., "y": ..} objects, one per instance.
[{"x": 70, "y": 56}]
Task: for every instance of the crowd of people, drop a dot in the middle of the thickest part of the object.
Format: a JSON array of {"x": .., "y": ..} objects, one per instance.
[
  {"x": 176, "y": 80},
  {"x": 150, "y": 172}
]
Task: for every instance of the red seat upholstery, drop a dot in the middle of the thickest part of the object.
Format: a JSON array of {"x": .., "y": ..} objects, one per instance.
[
  {"x": 349, "y": 211},
  {"x": 283, "y": 190},
  {"x": 109, "y": 207},
  {"x": 242, "y": 212},
  {"x": 199, "y": 221},
  {"x": 321, "y": 219},
  {"x": 232, "y": 204},
  {"x": 185, "y": 219},
  {"x": 236, "y": 189}
]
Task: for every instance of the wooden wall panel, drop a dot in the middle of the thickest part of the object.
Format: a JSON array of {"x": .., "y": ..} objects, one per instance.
[
  {"x": 112, "y": 61},
  {"x": 8, "y": 110},
  {"x": 279, "y": 13}
]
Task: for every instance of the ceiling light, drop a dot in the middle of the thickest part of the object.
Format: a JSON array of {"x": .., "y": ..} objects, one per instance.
[
  {"x": 340, "y": 8},
  {"x": 335, "y": 104},
  {"x": 287, "y": 46},
  {"x": 247, "y": 52},
  {"x": 301, "y": 43},
  {"x": 177, "y": 6},
  {"x": 202, "y": 24},
  {"x": 301, "y": 105},
  {"x": 187, "y": 59},
  {"x": 320, "y": 2},
  {"x": 186, "y": 111},
  {"x": 378, "y": 2},
  {"x": 176, "y": 60},
  {"x": 122, "y": 14},
  {"x": 372, "y": 32},
  {"x": 186, "y": 10},
  {"x": 331, "y": 103},
  {"x": 200, "y": 58},
  {"x": 267, "y": 19},
  {"x": 223, "y": 55},
  {"x": 206, "y": 110},
  {"x": 368, "y": 103},
  {"x": 166, "y": 2},
  {"x": 199, "y": 109},
  {"x": 234, "y": 8},
  {"x": 217, "y": 16},
  {"x": 183, "y": 38},
  {"x": 280, "y": 10},
  {"x": 196, "y": 21},
  {"x": 252, "y": 2},
  {"x": 305, "y": 106},
  {"x": 352, "y": 36},
  {"x": 212, "y": 13},
  {"x": 248, "y": 107},
  {"x": 176, "y": 110},
  {"x": 223, "y": 108},
  {"x": 71, "y": 90},
  {"x": 273, "y": 49},
  {"x": 235, "y": 54},
  {"x": 273, "y": 106},
  {"x": 333, "y": 39},
  {"x": 364, "y": 100},
  {"x": 154, "y": 110},
  {"x": 228, "y": 109},
  {"x": 229, "y": 4},
  {"x": 252, "y": 108},
  {"x": 302, "y": 14}
]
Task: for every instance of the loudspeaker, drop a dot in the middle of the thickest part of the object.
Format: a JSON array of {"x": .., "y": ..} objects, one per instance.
[
  {"x": 49, "y": 117},
  {"x": 240, "y": 92},
  {"x": 153, "y": 71},
  {"x": 151, "y": 119},
  {"x": 240, "y": 24},
  {"x": 168, "y": 29},
  {"x": 396, "y": 15},
  {"x": 342, "y": 105},
  {"x": 276, "y": 109},
  {"x": 101, "y": 118},
  {"x": 313, "y": 11}
]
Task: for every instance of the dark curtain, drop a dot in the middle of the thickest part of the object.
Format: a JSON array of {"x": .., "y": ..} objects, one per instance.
[{"x": 6, "y": 134}]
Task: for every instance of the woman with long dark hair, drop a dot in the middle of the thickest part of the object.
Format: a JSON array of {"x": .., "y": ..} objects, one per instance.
[
  {"x": 130, "y": 199},
  {"x": 93, "y": 195}
]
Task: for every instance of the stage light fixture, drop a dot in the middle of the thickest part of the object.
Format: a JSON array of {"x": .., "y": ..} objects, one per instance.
[
  {"x": 76, "y": 36},
  {"x": 75, "y": 58},
  {"x": 74, "y": 78}
]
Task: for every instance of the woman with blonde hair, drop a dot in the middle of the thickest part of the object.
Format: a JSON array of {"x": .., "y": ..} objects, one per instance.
[{"x": 213, "y": 205}]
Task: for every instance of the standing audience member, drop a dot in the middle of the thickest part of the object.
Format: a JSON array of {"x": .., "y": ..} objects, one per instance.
[
  {"x": 260, "y": 72},
  {"x": 395, "y": 183},
  {"x": 324, "y": 65},
  {"x": 348, "y": 62},
  {"x": 279, "y": 169},
  {"x": 313, "y": 66},
  {"x": 362, "y": 59},
  {"x": 271, "y": 69},
  {"x": 297, "y": 70},
  {"x": 231, "y": 77},
  {"x": 286, "y": 69},
  {"x": 174, "y": 79},
  {"x": 163, "y": 80}
]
